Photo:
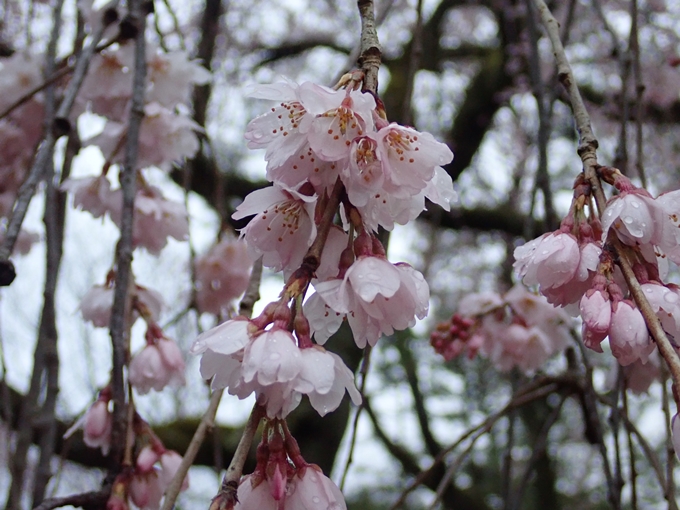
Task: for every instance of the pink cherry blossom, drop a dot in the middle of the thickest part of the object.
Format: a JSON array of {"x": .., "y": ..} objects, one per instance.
[
  {"x": 332, "y": 132},
  {"x": 272, "y": 357},
  {"x": 325, "y": 401},
  {"x": 156, "y": 366},
  {"x": 227, "y": 338},
  {"x": 222, "y": 275},
  {"x": 596, "y": 311},
  {"x": 255, "y": 498},
  {"x": 96, "y": 304},
  {"x": 323, "y": 320},
  {"x": 172, "y": 77},
  {"x": 639, "y": 376},
  {"x": 145, "y": 490},
  {"x": 378, "y": 297},
  {"x": 146, "y": 459},
  {"x": 638, "y": 219},
  {"x": 311, "y": 489},
  {"x": 283, "y": 130},
  {"x": 409, "y": 158},
  {"x": 93, "y": 194},
  {"x": 283, "y": 228},
  {"x": 628, "y": 336},
  {"x": 155, "y": 220},
  {"x": 170, "y": 461},
  {"x": 97, "y": 426}
]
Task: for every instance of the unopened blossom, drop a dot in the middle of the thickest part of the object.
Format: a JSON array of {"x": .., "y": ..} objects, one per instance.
[
  {"x": 256, "y": 497},
  {"x": 97, "y": 424},
  {"x": 665, "y": 301},
  {"x": 549, "y": 261},
  {"x": 670, "y": 203},
  {"x": 311, "y": 489},
  {"x": 170, "y": 461},
  {"x": 596, "y": 310},
  {"x": 628, "y": 336},
  {"x": 222, "y": 275},
  {"x": 156, "y": 366},
  {"x": 283, "y": 227},
  {"x": 146, "y": 490}
]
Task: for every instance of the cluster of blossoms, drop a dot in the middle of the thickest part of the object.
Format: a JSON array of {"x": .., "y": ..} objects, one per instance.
[
  {"x": 339, "y": 172},
  {"x": 573, "y": 267},
  {"x": 517, "y": 329},
  {"x": 154, "y": 468},
  {"x": 323, "y": 143},
  {"x": 282, "y": 479}
]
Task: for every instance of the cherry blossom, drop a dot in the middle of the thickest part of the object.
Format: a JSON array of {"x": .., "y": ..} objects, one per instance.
[
  {"x": 157, "y": 365},
  {"x": 283, "y": 227},
  {"x": 93, "y": 194},
  {"x": 628, "y": 336},
  {"x": 222, "y": 275},
  {"x": 96, "y": 423}
]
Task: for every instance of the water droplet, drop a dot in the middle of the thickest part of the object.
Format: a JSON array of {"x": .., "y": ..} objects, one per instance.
[
  {"x": 636, "y": 205},
  {"x": 316, "y": 499},
  {"x": 274, "y": 356},
  {"x": 671, "y": 297},
  {"x": 628, "y": 220},
  {"x": 313, "y": 478},
  {"x": 544, "y": 252},
  {"x": 648, "y": 290}
]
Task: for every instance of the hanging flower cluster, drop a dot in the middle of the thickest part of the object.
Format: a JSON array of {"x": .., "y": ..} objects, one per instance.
[
  {"x": 573, "y": 267},
  {"x": 517, "y": 329},
  {"x": 282, "y": 479},
  {"x": 330, "y": 153}
]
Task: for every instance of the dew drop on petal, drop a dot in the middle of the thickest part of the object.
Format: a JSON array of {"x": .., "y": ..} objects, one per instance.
[
  {"x": 628, "y": 220},
  {"x": 316, "y": 499},
  {"x": 274, "y": 356},
  {"x": 671, "y": 297},
  {"x": 636, "y": 205}
]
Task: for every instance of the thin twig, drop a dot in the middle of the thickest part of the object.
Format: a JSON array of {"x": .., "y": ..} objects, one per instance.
[
  {"x": 251, "y": 296},
  {"x": 121, "y": 304},
  {"x": 96, "y": 499},
  {"x": 235, "y": 469},
  {"x": 365, "y": 365},
  {"x": 634, "y": 48},
  {"x": 525, "y": 395}
]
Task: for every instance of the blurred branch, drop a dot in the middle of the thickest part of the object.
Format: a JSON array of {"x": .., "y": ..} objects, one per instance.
[
  {"x": 410, "y": 367},
  {"x": 45, "y": 357}
]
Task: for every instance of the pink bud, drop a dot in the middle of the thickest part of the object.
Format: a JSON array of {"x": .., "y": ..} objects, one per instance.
[
  {"x": 628, "y": 336},
  {"x": 97, "y": 426},
  {"x": 170, "y": 461},
  {"x": 596, "y": 311},
  {"x": 146, "y": 459}
]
